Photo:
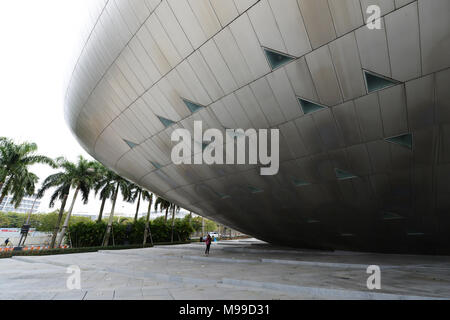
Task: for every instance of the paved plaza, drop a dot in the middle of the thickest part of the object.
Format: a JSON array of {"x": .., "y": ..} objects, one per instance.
[{"x": 235, "y": 270}]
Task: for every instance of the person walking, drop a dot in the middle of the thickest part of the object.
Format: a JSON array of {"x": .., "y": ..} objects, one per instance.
[{"x": 208, "y": 244}]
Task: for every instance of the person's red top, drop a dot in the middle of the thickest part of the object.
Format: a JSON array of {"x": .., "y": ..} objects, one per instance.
[{"x": 208, "y": 240}]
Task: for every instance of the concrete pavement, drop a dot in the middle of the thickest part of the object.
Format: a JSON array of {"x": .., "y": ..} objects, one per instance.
[{"x": 235, "y": 270}]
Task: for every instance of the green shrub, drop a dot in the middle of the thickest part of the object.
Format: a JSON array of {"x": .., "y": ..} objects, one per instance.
[{"x": 90, "y": 234}]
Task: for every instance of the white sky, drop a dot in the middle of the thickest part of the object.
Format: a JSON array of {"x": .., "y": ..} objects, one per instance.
[{"x": 40, "y": 40}]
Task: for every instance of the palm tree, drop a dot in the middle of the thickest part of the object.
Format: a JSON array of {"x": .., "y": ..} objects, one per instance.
[
  {"x": 123, "y": 185},
  {"x": 135, "y": 193},
  {"x": 174, "y": 208},
  {"x": 78, "y": 176},
  {"x": 147, "y": 196},
  {"x": 15, "y": 179},
  {"x": 163, "y": 205},
  {"x": 84, "y": 174},
  {"x": 105, "y": 184}
]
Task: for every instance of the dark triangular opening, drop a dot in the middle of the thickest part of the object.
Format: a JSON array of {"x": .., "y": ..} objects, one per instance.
[
  {"x": 309, "y": 107},
  {"x": 377, "y": 82},
  {"x": 300, "y": 183},
  {"x": 347, "y": 235},
  {"x": 344, "y": 175},
  {"x": 223, "y": 196},
  {"x": 255, "y": 190},
  {"x": 277, "y": 59},
  {"x": 404, "y": 140},
  {"x": 193, "y": 107},
  {"x": 166, "y": 122},
  {"x": 415, "y": 234},
  {"x": 391, "y": 216},
  {"x": 130, "y": 144}
]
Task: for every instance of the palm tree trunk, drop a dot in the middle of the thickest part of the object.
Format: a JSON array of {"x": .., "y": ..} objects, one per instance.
[
  {"x": 111, "y": 217},
  {"x": 66, "y": 222},
  {"x": 203, "y": 226},
  {"x": 165, "y": 218},
  {"x": 102, "y": 207},
  {"x": 2, "y": 197},
  {"x": 5, "y": 182},
  {"x": 60, "y": 215},
  {"x": 137, "y": 208},
  {"x": 147, "y": 230},
  {"x": 173, "y": 222}
]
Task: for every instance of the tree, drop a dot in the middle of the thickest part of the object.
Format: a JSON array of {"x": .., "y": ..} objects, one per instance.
[
  {"x": 135, "y": 193},
  {"x": 105, "y": 184},
  {"x": 120, "y": 185},
  {"x": 174, "y": 208},
  {"x": 15, "y": 178},
  {"x": 83, "y": 176},
  {"x": 78, "y": 176},
  {"x": 208, "y": 224},
  {"x": 62, "y": 183},
  {"x": 163, "y": 205},
  {"x": 147, "y": 196}
]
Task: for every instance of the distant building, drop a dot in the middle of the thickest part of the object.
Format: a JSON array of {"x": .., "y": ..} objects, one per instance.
[{"x": 25, "y": 206}]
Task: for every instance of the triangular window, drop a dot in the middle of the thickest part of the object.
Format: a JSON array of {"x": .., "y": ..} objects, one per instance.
[
  {"x": 377, "y": 82},
  {"x": 277, "y": 59}
]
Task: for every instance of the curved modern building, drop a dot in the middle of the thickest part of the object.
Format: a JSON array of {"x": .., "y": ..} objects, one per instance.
[{"x": 363, "y": 113}]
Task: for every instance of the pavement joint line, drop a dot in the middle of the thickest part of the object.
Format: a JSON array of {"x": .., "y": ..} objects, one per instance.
[
  {"x": 215, "y": 259},
  {"x": 321, "y": 264},
  {"x": 293, "y": 251},
  {"x": 290, "y": 262},
  {"x": 53, "y": 263},
  {"x": 325, "y": 292},
  {"x": 31, "y": 260}
]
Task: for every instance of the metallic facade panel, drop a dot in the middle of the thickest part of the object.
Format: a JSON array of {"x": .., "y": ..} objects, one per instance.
[
  {"x": 249, "y": 46},
  {"x": 267, "y": 101},
  {"x": 290, "y": 22},
  {"x": 233, "y": 57},
  {"x": 402, "y": 29},
  {"x": 342, "y": 164},
  {"x": 347, "y": 122},
  {"x": 324, "y": 76},
  {"x": 434, "y": 26},
  {"x": 265, "y": 26},
  {"x": 393, "y": 111},
  {"x": 318, "y": 21},
  {"x": 344, "y": 52},
  {"x": 301, "y": 80},
  {"x": 226, "y": 11},
  {"x": 206, "y": 16},
  {"x": 347, "y": 15},
  {"x": 368, "y": 111},
  {"x": 420, "y": 95},
  {"x": 217, "y": 65},
  {"x": 443, "y": 97},
  {"x": 373, "y": 49}
]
